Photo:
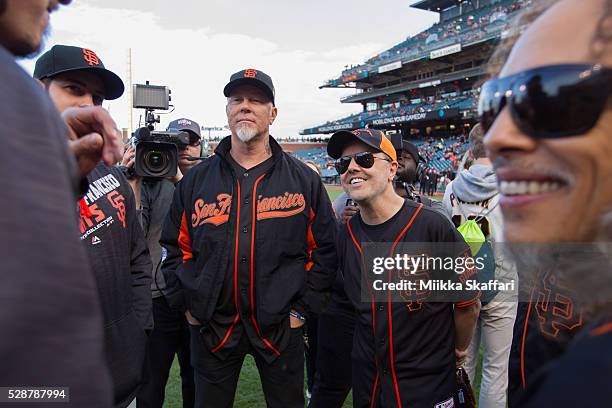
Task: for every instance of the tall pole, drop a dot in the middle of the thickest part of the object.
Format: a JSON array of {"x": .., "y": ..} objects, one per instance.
[{"x": 130, "y": 95}]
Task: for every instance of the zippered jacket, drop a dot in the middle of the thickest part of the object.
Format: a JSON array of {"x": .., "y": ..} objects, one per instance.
[{"x": 292, "y": 232}]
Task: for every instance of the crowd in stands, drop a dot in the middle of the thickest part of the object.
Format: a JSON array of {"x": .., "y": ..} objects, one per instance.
[
  {"x": 469, "y": 26},
  {"x": 281, "y": 139},
  {"x": 463, "y": 101},
  {"x": 442, "y": 156}
]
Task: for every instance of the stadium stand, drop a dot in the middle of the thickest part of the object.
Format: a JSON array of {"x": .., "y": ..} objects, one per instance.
[
  {"x": 471, "y": 25},
  {"x": 426, "y": 86}
]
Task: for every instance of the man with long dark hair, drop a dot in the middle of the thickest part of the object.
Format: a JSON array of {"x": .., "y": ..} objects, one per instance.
[{"x": 547, "y": 121}]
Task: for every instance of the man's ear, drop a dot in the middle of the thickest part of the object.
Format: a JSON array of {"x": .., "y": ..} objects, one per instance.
[
  {"x": 273, "y": 114},
  {"x": 41, "y": 83},
  {"x": 394, "y": 167}
]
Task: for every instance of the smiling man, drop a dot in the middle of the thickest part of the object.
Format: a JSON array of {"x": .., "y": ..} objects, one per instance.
[
  {"x": 251, "y": 239},
  {"x": 548, "y": 122},
  {"x": 403, "y": 355}
]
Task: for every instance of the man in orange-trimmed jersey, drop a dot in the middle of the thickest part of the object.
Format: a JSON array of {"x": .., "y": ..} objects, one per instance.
[{"x": 403, "y": 356}]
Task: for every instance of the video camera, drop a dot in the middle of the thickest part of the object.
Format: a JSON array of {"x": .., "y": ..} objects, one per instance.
[{"x": 156, "y": 151}]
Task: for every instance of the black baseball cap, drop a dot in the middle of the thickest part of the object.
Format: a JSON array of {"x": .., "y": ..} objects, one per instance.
[
  {"x": 400, "y": 144},
  {"x": 252, "y": 77},
  {"x": 65, "y": 58},
  {"x": 185, "y": 125},
  {"x": 372, "y": 137},
  {"x": 412, "y": 151}
]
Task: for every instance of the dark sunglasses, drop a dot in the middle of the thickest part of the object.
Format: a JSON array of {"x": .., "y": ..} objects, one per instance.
[
  {"x": 548, "y": 102},
  {"x": 195, "y": 142},
  {"x": 363, "y": 159}
]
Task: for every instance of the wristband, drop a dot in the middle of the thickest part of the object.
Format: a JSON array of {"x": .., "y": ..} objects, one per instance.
[{"x": 297, "y": 315}]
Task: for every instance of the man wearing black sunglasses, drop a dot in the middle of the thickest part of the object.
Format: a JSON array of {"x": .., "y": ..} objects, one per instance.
[
  {"x": 548, "y": 125},
  {"x": 336, "y": 325},
  {"x": 397, "y": 354}
]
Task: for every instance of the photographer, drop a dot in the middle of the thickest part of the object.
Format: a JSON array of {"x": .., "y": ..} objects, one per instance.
[
  {"x": 75, "y": 77},
  {"x": 410, "y": 164},
  {"x": 170, "y": 335}
]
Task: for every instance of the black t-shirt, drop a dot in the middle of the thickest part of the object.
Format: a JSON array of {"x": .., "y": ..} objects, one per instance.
[{"x": 381, "y": 232}]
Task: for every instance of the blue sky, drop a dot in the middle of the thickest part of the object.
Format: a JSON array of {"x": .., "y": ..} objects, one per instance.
[{"x": 194, "y": 46}]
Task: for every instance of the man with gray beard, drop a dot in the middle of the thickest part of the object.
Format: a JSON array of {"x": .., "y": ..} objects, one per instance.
[{"x": 250, "y": 239}]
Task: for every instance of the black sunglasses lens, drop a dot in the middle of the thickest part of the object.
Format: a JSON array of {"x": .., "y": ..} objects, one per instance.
[
  {"x": 559, "y": 101},
  {"x": 492, "y": 101},
  {"x": 342, "y": 164},
  {"x": 365, "y": 160}
]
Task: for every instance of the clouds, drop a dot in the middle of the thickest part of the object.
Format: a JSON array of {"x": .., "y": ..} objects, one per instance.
[{"x": 196, "y": 60}]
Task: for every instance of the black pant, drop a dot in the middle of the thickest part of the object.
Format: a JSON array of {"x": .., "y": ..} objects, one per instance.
[
  {"x": 170, "y": 336},
  {"x": 423, "y": 188},
  {"x": 433, "y": 187},
  {"x": 333, "y": 376},
  {"x": 282, "y": 380},
  {"x": 311, "y": 351}
]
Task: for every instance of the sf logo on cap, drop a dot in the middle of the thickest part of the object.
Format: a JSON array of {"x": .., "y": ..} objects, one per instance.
[
  {"x": 357, "y": 132},
  {"x": 90, "y": 57},
  {"x": 250, "y": 73}
]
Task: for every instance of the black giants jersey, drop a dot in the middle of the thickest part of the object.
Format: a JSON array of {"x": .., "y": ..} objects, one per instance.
[
  {"x": 403, "y": 352},
  {"x": 542, "y": 331},
  {"x": 580, "y": 377}
]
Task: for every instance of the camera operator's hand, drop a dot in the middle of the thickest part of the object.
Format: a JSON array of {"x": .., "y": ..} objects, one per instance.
[
  {"x": 93, "y": 136},
  {"x": 348, "y": 212},
  {"x": 128, "y": 160},
  {"x": 129, "y": 156},
  {"x": 178, "y": 177}
]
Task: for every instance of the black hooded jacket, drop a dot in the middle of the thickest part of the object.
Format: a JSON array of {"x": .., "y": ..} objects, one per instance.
[{"x": 120, "y": 260}]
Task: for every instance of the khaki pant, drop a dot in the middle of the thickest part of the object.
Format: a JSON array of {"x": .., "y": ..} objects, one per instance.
[{"x": 494, "y": 329}]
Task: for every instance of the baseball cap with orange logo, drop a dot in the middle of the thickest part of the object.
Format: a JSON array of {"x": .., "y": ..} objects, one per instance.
[
  {"x": 252, "y": 77},
  {"x": 371, "y": 137},
  {"x": 65, "y": 58}
]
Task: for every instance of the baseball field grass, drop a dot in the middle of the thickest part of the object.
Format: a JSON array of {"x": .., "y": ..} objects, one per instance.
[{"x": 249, "y": 393}]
